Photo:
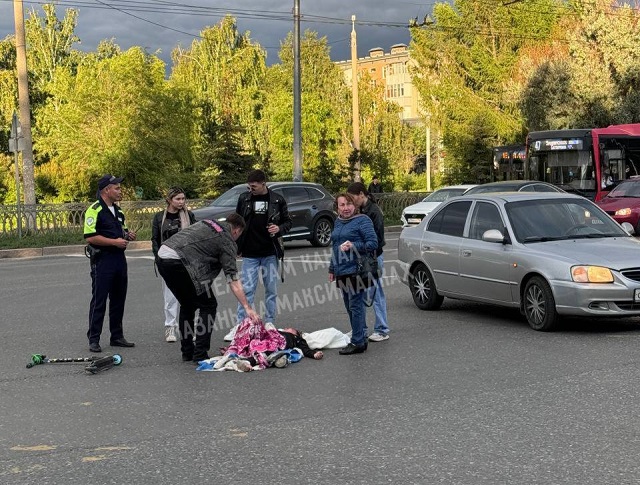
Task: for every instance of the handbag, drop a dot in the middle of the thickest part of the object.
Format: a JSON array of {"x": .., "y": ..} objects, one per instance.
[{"x": 367, "y": 270}]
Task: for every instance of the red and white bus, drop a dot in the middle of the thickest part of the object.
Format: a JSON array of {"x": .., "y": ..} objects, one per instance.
[{"x": 589, "y": 162}]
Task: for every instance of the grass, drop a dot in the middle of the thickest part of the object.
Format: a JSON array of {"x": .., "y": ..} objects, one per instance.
[{"x": 50, "y": 238}]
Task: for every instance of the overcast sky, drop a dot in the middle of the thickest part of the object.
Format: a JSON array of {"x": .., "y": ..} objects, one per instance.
[{"x": 161, "y": 25}]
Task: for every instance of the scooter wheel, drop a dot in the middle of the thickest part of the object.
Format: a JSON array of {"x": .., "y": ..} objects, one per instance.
[{"x": 117, "y": 359}]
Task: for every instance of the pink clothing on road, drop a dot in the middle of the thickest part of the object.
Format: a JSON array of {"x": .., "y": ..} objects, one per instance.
[{"x": 252, "y": 339}]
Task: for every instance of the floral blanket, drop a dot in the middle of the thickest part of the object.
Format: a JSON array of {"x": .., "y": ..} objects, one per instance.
[{"x": 252, "y": 339}]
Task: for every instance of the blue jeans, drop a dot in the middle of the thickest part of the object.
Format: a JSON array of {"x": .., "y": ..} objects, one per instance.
[
  {"x": 252, "y": 270},
  {"x": 379, "y": 302},
  {"x": 354, "y": 303}
]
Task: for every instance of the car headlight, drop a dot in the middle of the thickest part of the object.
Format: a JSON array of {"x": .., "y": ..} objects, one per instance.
[
  {"x": 591, "y": 274},
  {"x": 623, "y": 212}
]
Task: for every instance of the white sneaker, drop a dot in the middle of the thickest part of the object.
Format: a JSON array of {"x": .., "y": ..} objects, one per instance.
[
  {"x": 170, "y": 333},
  {"x": 378, "y": 337}
]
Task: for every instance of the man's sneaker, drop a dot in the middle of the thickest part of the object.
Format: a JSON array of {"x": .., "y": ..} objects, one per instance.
[
  {"x": 170, "y": 333},
  {"x": 274, "y": 356},
  {"x": 281, "y": 362},
  {"x": 378, "y": 337}
]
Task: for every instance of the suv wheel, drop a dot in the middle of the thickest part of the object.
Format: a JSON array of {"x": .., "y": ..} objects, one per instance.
[{"x": 321, "y": 234}]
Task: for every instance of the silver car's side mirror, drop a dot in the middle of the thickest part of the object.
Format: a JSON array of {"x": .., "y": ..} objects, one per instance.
[
  {"x": 629, "y": 228},
  {"x": 493, "y": 235}
]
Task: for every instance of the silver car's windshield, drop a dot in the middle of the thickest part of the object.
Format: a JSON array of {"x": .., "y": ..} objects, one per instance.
[
  {"x": 556, "y": 219},
  {"x": 442, "y": 195}
]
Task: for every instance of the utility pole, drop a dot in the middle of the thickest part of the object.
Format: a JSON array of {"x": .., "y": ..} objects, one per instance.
[
  {"x": 24, "y": 105},
  {"x": 16, "y": 145},
  {"x": 297, "y": 125},
  {"x": 355, "y": 107}
]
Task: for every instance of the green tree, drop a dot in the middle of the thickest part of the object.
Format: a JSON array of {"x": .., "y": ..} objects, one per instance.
[
  {"x": 116, "y": 115},
  {"x": 223, "y": 73},
  {"x": 323, "y": 97},
  {"x": 466, "y": 75}
]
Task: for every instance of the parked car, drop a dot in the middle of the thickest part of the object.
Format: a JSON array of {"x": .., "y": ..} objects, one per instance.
[
  {"x": 623, "y": 203},
  {"x": 515, "y": 186},
  {"x": 311, "y": 208},
  {"x": 549, "y": 255},
  {"x": 413, "y": 214}
]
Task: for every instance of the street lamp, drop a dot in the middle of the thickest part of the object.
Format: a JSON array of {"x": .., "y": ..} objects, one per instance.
[{"x": 427, "y": 123}]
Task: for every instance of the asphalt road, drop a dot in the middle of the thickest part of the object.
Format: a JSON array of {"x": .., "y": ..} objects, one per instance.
[{"x": 465, "y": 395}]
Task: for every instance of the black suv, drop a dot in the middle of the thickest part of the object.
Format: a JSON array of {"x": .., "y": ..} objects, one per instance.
[{"x": 311, "y": 209}]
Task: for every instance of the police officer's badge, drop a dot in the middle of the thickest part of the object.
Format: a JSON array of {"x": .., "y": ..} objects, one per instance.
[{"x": 90, "y": 221}]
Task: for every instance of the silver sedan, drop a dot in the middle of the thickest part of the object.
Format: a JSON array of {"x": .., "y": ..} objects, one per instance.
[{"x": 546, "y": 254}]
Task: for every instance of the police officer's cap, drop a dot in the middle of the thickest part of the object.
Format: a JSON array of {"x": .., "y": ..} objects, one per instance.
[{"x": 107, "y": 180}]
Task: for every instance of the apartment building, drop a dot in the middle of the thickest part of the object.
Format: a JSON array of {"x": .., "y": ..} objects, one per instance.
[{"x": 390, "y": 70}]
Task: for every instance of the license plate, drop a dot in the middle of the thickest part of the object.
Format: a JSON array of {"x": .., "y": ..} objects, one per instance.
[
  {"x": 636, "y": 294},
  {"x": 414, "y": 220}
]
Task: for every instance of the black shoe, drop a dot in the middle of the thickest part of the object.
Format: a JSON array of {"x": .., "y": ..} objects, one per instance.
[
  {"x": 95, "y": 347},
  {"x": 198, "y": 358},
  {"x": 187, "y": 357},
  {"x": 122, "y": 342},
  {"x": 353, "y": 349}
]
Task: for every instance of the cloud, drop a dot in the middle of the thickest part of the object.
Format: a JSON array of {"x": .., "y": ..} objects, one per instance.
[{"x": 172, "y": 23}]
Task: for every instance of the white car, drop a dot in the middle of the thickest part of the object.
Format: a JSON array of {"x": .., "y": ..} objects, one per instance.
[{"x": 413, "y": 215}]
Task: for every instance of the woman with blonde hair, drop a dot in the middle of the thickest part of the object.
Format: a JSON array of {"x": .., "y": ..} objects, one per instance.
[{"x": 165, "y": 224}]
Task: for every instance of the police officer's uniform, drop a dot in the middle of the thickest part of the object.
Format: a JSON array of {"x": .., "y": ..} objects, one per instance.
[{"x": 108, "y": 270}]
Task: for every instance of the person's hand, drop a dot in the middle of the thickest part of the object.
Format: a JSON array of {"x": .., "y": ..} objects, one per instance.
[
  {"x": 331, "y": 277},
  {"x": 131, "y": 236},
  {"x": 251, "y": 313},
  {"x": 346, "y": 246},
  {"x": 318, "y": 355},
  {"x": 273, "y": 229},
  {"x": 120, "y": 243}
]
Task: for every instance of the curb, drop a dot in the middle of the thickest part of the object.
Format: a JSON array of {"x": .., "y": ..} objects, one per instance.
[
  {"x": 79, "y": 248},
  {"x": 61, "y": 250}
]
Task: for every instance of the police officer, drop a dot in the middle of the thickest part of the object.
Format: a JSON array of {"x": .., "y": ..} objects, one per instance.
[{"x": 106, "y": 232}]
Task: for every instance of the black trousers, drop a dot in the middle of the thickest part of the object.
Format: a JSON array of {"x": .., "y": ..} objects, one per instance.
[
  {"x": 108, "y": 281},
  {"x": 177, "y": 278}
]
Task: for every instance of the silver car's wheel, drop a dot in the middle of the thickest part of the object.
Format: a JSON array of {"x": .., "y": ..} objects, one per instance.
[
  {"x": 539, "y": 305},
  {"x": 423, "y": 289},
  {"x": 321, "y": 235}
]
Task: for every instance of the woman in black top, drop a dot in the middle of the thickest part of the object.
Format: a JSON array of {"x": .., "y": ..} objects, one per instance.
[{"x": 165, "y": 224}]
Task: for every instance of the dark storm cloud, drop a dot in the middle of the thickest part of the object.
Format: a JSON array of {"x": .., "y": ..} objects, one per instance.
[{"x": 379, "y": 23}]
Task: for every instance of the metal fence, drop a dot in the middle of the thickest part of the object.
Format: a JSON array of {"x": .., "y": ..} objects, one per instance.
[{"x": 69, "y": 218}]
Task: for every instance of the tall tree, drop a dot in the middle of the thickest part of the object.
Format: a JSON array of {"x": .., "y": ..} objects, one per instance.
[
  {"x": 223, "y": 72},
  {"x": 116, "y": 115},
  {"x": 50, "y": 42},
  {"x": 323, "y": 97},
  {"x": 465, "y": 75}
]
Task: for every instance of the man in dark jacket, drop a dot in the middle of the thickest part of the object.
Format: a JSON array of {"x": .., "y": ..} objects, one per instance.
[
  {"x": 267, "y": 218},
  {"x": 189, "y": 261},
  {"x": 369, "y": 208}
]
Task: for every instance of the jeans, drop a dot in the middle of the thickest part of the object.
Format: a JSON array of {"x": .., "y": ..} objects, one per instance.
[
  {"x": 171, "y": 306},
  {"x": 354, "y": 303},
  {"x": 267, "y": 269},
  {"x": 379, "y": 302}
]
